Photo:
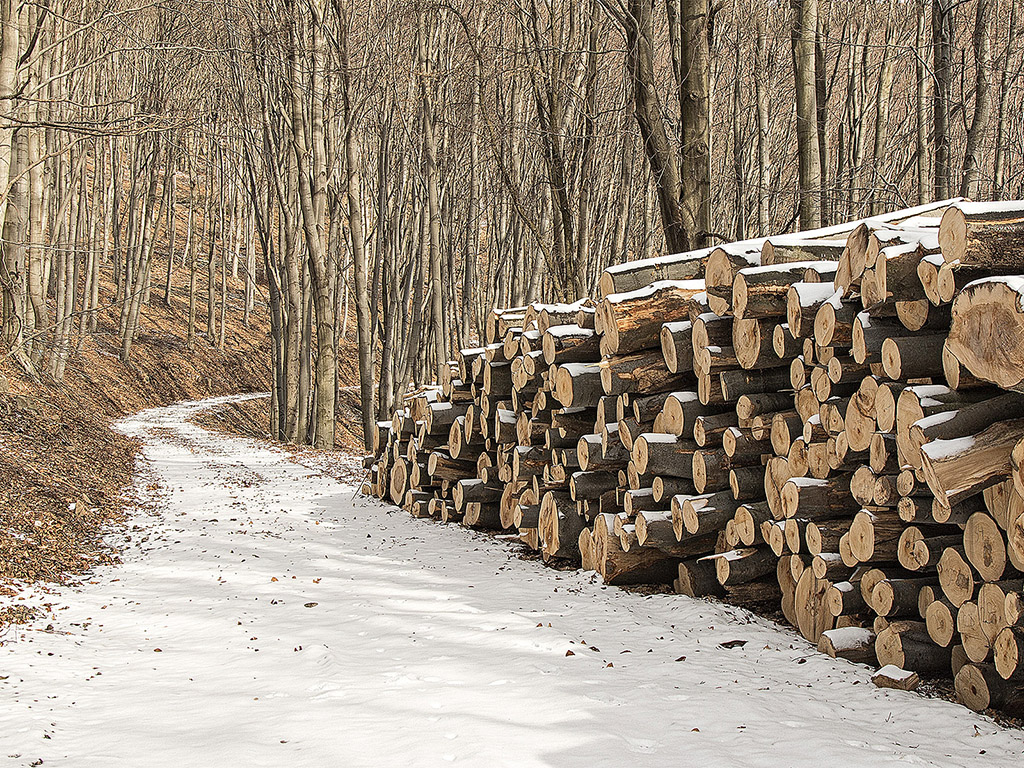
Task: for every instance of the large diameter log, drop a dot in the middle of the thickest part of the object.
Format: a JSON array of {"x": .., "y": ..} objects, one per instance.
[
  {"x": 988, "y": 234},
  {"x": 754, "y": 343},
  {"x": 632, "y": 321},
  {"x": 955, "y": 469},
  {"x": 1008, "y": 653},
  {"x": 987, "y": 330},
  {"x": 956, "y": 576},
  {"x": 874, "y": 535},
  {"x": 811, "y": 606},
  {"x": 985, "y": 546}
]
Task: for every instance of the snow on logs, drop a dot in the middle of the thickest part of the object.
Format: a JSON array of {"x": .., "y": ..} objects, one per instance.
[{"x": 816, "y": 422}]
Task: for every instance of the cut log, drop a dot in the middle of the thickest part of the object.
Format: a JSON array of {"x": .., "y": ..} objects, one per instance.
[
  {"x": 1008, "y": 652},
  {"x": 563, "y": 344},
  {"x": 641, "y": 373},
  {"x": 763, "y": 291},
  {"x": 677, "y": 346},
  {"x": 698, "y": 578},
  {"x": 739, "y": 566},
  {"x": 811, "y": 606},
  {"x": 815, "y": 499},
  {"x": 559, "y": 526},
  {"x": 896, "y": 678},
  {"x": 979, "y": 687},
  {"x": 988, "y": 234},
  {"x": 899, "y": 597},
  {"x": 578, "y": 385},
  {"x": 987, "y": 331},
  {"x": 632, "y": 275},
  {"x": 955, "y": 576},
  {"x": 851, "y": 643},
  {"x": 955, "y": 469},
  {"x": 632, "y": 321},
  {"x": 985, "y": 546},
  {"x": 906, "y": 644},
  {"x": 663, "y": 455},
  {"x": 913, "y": 357}
]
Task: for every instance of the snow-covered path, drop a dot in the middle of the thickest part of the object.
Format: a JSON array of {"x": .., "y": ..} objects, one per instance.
[{"x": 265, "y": 617}]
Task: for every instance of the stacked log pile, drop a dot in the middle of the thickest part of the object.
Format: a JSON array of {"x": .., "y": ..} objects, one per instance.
[{"x": 828, "y": 423}]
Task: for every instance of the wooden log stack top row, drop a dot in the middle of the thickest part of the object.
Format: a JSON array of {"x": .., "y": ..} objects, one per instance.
[{"x": 828, "y": 422}]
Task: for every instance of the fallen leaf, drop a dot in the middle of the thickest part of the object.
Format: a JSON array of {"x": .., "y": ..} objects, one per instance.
[{"x": 733, "y": 644}]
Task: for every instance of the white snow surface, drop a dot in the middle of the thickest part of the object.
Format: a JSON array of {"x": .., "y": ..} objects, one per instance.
[{"x": 300, "y": 625}]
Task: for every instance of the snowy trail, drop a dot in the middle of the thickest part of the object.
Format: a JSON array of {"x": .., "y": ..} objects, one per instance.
[{"x": 300, "y": 626}]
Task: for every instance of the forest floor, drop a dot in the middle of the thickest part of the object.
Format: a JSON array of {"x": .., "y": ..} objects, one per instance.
[
  {"x": 266, "y": 615},
  {"x": 64, "y": 470}
]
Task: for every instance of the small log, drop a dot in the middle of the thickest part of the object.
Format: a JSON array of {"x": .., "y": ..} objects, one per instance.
[
  {"x": 895, "y": 678},
  {"x": 739, "y": 566},
  {"x": 677, "y": 346},
  {"x": 663, "y": 455},
  {"x": 851, "y": 643}
]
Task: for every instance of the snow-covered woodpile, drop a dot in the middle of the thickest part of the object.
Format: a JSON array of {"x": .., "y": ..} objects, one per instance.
[{"x": 829, "y": 422}]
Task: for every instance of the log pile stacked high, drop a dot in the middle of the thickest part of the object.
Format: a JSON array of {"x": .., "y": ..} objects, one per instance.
[{"x": 830, "y": 423}]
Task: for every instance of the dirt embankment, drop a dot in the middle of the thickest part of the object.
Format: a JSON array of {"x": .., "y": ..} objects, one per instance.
[{"x": 65, "y": 472}]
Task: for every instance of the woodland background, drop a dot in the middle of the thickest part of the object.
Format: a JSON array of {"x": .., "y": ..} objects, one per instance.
[{"x": 383, "y": 172}]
